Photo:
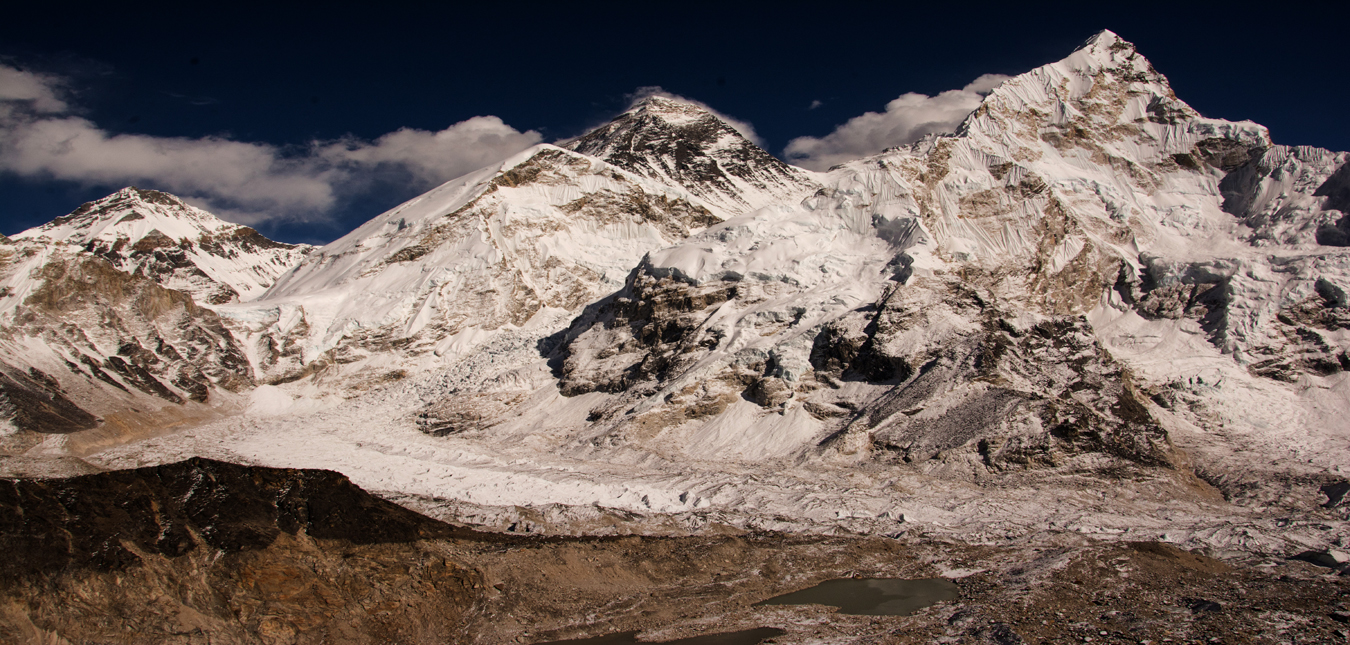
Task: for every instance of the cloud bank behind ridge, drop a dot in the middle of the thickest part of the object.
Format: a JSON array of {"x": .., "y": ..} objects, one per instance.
[
  {"x": 44, "y": 137},
  {"x": 906, "y": 120},
  {"x": 41, "y": 137}
]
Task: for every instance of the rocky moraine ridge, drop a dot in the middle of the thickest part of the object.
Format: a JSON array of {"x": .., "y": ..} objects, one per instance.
[{"x": 1091, "y": 323}]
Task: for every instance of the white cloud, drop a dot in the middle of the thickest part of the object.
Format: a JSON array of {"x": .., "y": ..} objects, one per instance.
[
  {"x": 434, "y": 157},
  {"x": 248, "y": 182},
  {"x": 814, "y": 104},
  {"x": 985, "y": 83},
  {"x": 906, "y": 120},
  {"x": 36, "y": 89},
  {"x": 249, "y": 174},
  {"x": 743, "y": 127}
]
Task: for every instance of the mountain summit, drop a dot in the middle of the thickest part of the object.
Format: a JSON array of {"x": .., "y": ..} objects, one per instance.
[
  {"x": 682, "y": 144},
  {"x": 182, "y": 247}
]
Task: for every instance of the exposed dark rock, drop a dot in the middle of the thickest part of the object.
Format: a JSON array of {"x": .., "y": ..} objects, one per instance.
[
  {"x": 142, "y": 379},
  {"x": 1335, "y": 492},
  {"x": 650, "y": 329},
  {"x": 1080, "y": 395},
  {"x": 1226, "y": 154},
  {"x": 205, "y": 551},
  {"x": 1200, "y": 605},
  {"x": 1333, "y": 294},
  {"x": 768, "y": 392},
  {"x": 34, "y": 401},
  {"x": 1334, "y": 234},
  {"x": 110, "y": 520},
  {"x": 1337, "y": 190},
  {"x": 835, "y": 349},
  {"x": 1329, "y": 559}
]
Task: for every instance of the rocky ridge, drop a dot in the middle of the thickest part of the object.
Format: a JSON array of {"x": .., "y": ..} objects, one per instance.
[{"x": 203, "y": 550}]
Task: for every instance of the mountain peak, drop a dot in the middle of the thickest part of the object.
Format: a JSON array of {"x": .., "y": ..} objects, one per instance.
[
  {"x": 1104, "y": 38},
  {"x": 178, "y": 245},
  {"x": 130, "y": 213},
  {"x": 1099, "y": 93},
  {"x": 658, "y": 117},
  {"x": 668, "y": 106},
  {"x": 1107, "y": 51},
  {"x": 689, "y": 146}
]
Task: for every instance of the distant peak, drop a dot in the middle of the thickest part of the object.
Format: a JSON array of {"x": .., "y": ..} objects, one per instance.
[
  {"x": 660, "y": 103},
  {"x": 130, "y": 212},
  {"x": 1106, "y": 45},
  {"x": 672, "y": 110},
  {"x": 660, "y": 106},
  {"x": 1104, "y": 38},
  {"x": 123, "y": 198},
  {"x": 154, "y": 196}
]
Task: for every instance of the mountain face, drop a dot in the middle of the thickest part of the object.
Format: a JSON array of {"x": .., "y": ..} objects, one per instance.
[
  {"x": 930, "y": 302},
  {"x": 106, "y": 312},
  {"x": 84, "y": 340},
  {"x": 533, "y": 239},
  {"x": 1088, "y": 287}
]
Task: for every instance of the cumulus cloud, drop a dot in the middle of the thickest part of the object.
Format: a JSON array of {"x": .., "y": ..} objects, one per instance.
[
  {"x": 36, "y": 90},
  {"x": 41, "y": 138},
  {"x": 433, "y": 157},
  {"x": 743, "y": 127},
  {"x": 251, "y": 175},
  {"x": 814, "y": 104},
  {"x": 906, "y": 120}
]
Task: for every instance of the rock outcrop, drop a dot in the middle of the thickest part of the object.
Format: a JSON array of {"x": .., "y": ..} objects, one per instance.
[{"x": 208, "y": 551}]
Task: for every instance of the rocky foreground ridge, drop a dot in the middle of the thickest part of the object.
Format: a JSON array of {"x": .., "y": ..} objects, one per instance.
[{"x": 203, "y": 551}]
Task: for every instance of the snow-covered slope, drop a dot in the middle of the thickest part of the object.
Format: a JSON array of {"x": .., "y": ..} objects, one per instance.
[
  {"x": 1008, "y": 299},
  {"x": 542, "y": 234},
  {"x": 157, "y": 235}
]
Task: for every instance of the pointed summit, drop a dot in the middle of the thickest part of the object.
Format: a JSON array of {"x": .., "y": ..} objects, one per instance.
[
  {"x": 686, "y": 145},
  {"x": 1106, "y": 97},
  {"x": 178, "y": 245}
]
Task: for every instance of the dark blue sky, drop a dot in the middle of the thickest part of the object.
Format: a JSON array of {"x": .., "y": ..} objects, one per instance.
[{"x": 288, "y": 76}]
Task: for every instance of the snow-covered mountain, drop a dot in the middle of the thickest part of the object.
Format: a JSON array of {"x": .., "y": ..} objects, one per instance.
[
  {"x": 179, "y": 246},
  {"x": 523, "y": 243},
  {"x": 105, "y": 318},
  {"x": 1082, "y": 203},
  {"x": 1088, "y": 291}
]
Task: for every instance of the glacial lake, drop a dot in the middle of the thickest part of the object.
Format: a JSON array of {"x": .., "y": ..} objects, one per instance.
[
  {"x": 872, "y": 596},
  {"x": 743, "y": 637}
]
